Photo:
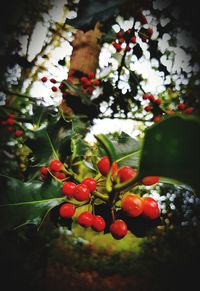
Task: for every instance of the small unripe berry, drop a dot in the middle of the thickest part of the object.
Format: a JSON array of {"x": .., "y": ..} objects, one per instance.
[{"x": 67, "y": 210}]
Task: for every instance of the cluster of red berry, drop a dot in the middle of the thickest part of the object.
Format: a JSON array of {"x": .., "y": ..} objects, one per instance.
[
  {"x": 9, "y": 123},
  {"x": 87, "y": 83},
  {"x": 152, "y": 103},
  {"x": 55, "y": 168},
  {"x": 132, "y": 205},
  {"x": 184, "y": 109}
]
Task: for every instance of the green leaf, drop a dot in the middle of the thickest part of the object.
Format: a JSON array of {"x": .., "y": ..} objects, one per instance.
[
  {"x": 52, "y": 140},
  {"x": 171, "y": 149},
  {"x": 91, "y": 11},
  {"x": 27, "y": 202},
  {"x": 107, "y": 145},
  {"x": 127, "y": 150}
]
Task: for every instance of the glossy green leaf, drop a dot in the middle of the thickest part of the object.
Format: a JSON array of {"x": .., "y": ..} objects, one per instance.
[
  {"x": 51, "y": 141},
  {"x": 27, "y": 202},
  {"x": 171, "y": 149}
]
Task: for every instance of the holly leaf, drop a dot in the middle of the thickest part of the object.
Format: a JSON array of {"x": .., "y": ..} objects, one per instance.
[
  {"x": 25, "y": 203},
  {"x": 171, "y": 149},
  {"x": 52, "y": 140},
  {"x": 91, "y": 11}
]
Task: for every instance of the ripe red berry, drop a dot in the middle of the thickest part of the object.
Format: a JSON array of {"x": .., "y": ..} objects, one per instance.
[
  {"x": 44, "y": 79},
  {"x": 10, "y": 121},
  {"x": 91, "y": 75},
  {"x": 151, "y": 98},
  {"x": 150, "y": 208},
  {"x": 132, "y": 204},
  {"x": 60, "y": 175},
  {"x": 96, "y": 82},
  {"x": 126, "y": 173},
  {"x": 181, "y": 106},
  {"x": 127, "y": 48},
  {"x": 52, "y": 80},
  {"x": 81, "y": 192},
  {"x": 121, "y": 40},
  {"x": 18, "y": 133},
  {"x": 149, "y": 32},
  {"x": 150, "y": 180},
  {"x": 158, "y": 101},
  {"x": 54, "y": 88},
  {"x": 104, "y": 165},
  {"x": 146, "y": 96},
  {"x": 91, "y": 183},
  {"x": 98, "y": 223},
  {"x": 67, "y": 210},
  {"x": 84, "y": 79},
  {"x": 157, "y": 118},
  {"x": 189, "y": 110},
  {"x": 148, "y": 108},
  {"x": 85, "y": 219},
  {"x": 133, "y": 39},
  {"x": 55, "y": 166},
  {"x": 90, "y": 90},
  {"x": 119, "y": 34},
  {"x": 11, "y": 115},
  {"x": 44, "y": 170},
  {"x": 118, "y": 229},
  {"x": 68, "y": 188}
]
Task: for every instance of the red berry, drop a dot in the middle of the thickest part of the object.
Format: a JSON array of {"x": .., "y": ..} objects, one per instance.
[
  {"x": 146, "y": 96},
  {"x": 133, "y": 39},
  {"x": 67, "y": 210},
  {"x": 132, "y": 204},
  {"x": 12, "y": 116},
  {"x": 18, "y": 133},
  {"x": 148, "y": 108},
  {"x": 151, "y": 98},
  {"x": 158, "y": 101},
  {"x": 189, "y": 110},
  {"x": 90, "y": 90},
  {"x": 85, "y": 219},
  {"x": 60, "y": 175},
  {"x": 91, "y": 183},
  {"x": 98, "y": 223},
  {"x": 150, "y": 180},
  {"x": 10, "y": 121},
  {"x": 149, "y": 32},
  {"x": 91, "y": 75},
  {"x": 81, "y": 192},
  {"x": 181, "y": 106},
  {"x": 157, "y": 118},
  {"x": 55, "y": 166},
  {"x": 54, "y": 88},
  {"x": 84, "y": 79},
  {"x": 68, "y": 188},
  {"x": 127, "y": 48},
  {"x": 118, "y": 47},
  {"x": 95, "y": 82},
  {"x": 53, "y": 81},
  {"x": 121, "y": 40},
  {"x": 44, "y": 170},
  {"x": 118, "y": 229},
  {"x": 44, "y": 79},
  {"x": 150, "y": 208},
  {"x": 126, "y": 173},
  {"x": 119, "y": 34},
  {"x": 104, "y": 165}
]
